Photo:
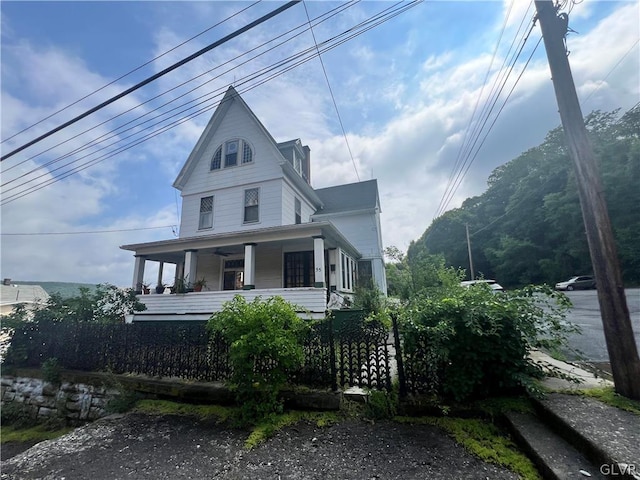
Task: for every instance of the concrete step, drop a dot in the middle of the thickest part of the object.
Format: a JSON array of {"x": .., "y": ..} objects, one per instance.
[
  {"x": 555, "y": 457},
  {"x": 608, "y": 436}
]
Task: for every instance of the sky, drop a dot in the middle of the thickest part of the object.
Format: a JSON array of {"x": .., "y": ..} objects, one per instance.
[{"x": 429, "y": 101}]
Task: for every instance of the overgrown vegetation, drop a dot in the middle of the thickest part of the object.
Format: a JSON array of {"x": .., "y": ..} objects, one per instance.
[
  {"x": 265, "y": 348},
  {"x": 470, "y": 343},
  {"x": 51, "y": 369},
  {"x": 484, "y": 440},
  {"x": 531, "y": 205},
  {"x": 610, "y": 397},
  {"x": 104, "y": 304}
]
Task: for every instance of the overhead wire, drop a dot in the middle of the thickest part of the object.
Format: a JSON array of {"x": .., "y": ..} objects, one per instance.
[
  {"x": 471, "y": 143},
  {"x": 129, "y": 72},
  {"x": 333, "y": 98},
  {"x": 111, "y": 134},
  {"x": 154, "y": 77},
  {"x": 85, "y": 232},
  {"x": 337, "y": 40}
]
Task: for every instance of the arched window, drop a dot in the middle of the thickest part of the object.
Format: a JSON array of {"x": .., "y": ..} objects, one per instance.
[{"x": 232, "y": 149}]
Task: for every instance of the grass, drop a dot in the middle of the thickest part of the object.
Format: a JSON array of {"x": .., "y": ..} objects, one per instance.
[
  {"x": 258, "y": 433},
  {"x": 34, "y": 434},
  {"x": 610, "y": 397},
  {"x": 484, "y": 440}
]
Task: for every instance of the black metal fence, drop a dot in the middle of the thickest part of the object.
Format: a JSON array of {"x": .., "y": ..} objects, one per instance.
[{"x": 344, "y": 352}]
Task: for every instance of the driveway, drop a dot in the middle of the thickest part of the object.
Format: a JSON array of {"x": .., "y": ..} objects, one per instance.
[{"x": 138, "y": 446}]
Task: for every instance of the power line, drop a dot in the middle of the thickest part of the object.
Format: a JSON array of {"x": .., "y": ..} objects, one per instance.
[
  {"x": 87, "y": 232},
  {"x": 139, "y": 85},
  {"x": 337, "y": 40},
  {"x": 128, "y": 73},
  {"x": 470, "y": 145}
]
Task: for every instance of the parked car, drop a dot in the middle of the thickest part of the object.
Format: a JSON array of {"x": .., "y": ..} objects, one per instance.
[
  {"x": 583, "y": 282},
  {"x": 495, "y": 286}
]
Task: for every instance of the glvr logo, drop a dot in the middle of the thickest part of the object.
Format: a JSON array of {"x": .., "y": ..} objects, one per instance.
[{"x": 619, "y": 469}]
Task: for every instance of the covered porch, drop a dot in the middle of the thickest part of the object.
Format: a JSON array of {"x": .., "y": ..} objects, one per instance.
[{"x": 302, "y": 263}]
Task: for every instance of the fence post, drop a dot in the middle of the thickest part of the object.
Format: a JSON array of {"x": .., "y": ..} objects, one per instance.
[
  {"x": 332, "y": 354},
  {"x": 399, "y": 361}
]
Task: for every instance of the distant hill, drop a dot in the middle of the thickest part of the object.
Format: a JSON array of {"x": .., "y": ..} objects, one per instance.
[{"x": 65, "y": 289}]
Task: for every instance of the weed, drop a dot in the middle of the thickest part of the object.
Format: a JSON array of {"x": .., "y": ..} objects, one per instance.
[{"x": 484, "y": 440}]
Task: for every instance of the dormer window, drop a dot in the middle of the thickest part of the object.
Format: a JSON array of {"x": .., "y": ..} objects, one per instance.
[{"x": 230, "y": 151}]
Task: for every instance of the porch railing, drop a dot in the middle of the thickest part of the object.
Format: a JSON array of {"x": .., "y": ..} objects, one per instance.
[{"x": 310, "y": 302}]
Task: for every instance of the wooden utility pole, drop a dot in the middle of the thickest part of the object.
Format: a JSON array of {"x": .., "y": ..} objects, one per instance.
[
  {"x": 621, "y": 344},
  {"x": 473, "y": 277}
]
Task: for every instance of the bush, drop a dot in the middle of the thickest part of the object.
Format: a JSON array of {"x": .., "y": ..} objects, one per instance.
[
  {"x": 475, "y": 343},
  {"x": 18, "y": 415},
  {"x": 51, "y": 369},
  {"x": 265, "y": 348}
]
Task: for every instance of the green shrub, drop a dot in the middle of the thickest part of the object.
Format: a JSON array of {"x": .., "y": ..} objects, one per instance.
[
  {"x": 381, "y": 405},
  {"x": 51, "y": 369},
  {"x": 265, "y": 347},
  {"x": 475, "y": 343},
  {"x": 18, "y": 415}
]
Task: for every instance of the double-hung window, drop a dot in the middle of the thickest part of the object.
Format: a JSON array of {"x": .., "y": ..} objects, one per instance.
[
  {"x": 251, "y": 205},
  {"x": 206, "y": 213},
  {"x": 231, "y": 153}
]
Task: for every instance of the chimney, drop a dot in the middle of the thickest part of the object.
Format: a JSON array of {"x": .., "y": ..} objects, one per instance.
[
  {"x": 306, "y": 164},
  {"x": 6, "y": 281}
]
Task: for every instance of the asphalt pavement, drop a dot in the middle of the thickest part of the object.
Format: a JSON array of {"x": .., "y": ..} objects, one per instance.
[{"x": 586, "y": 314}]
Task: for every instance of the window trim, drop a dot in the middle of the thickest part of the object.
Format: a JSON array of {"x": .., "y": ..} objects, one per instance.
[
  {"x": 245, "y": 206},
  {"x": 219, "y": 160},
  {"x": 200, "y": 215}
]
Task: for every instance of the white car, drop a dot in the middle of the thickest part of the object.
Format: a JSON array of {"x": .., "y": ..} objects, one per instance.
[{"x": 495, "y": 286}]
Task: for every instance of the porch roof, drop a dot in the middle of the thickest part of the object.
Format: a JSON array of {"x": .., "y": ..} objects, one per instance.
[{"x": 172, "y": 250}]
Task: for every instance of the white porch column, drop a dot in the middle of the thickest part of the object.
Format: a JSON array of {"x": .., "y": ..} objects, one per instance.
[
  {"x": 190, "y": 266},
  {"x": 160, "y": 270},
  {"x": 318, "y": 261},
  {"x": 138, "y": 273},
  {"x": 249, "y": 266}
]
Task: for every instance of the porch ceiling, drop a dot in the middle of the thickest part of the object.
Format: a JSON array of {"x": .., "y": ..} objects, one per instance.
[{"x": 289, "y": 236}]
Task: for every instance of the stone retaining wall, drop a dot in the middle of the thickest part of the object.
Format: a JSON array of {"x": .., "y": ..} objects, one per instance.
[{"x": 75, "y": 401}]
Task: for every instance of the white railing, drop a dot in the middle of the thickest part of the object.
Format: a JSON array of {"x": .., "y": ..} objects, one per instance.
[{"x": 310, "y": 302}]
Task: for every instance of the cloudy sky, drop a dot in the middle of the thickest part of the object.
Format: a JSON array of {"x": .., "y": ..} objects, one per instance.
[{"x": 427, "y": 97}]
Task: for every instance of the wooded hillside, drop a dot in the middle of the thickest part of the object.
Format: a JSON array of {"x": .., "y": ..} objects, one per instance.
[{"x": 527, "y": 226}]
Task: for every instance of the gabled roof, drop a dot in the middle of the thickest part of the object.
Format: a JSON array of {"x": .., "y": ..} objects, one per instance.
[
  {"x": 348, "y": 198},
  {"x": 231, "y": 96}
]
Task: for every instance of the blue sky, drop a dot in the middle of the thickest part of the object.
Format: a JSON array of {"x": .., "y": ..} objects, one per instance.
[{"x": 406, "y": 92}]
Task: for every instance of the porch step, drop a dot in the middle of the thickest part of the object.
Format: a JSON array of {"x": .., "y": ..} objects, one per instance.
[{"x": 555, "y": 458}]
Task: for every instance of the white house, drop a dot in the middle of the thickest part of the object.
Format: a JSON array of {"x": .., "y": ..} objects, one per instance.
[{"x": 252, "y": 224}]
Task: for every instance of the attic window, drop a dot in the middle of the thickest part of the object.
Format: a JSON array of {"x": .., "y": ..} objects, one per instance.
[{"x": 231, "y": 150}]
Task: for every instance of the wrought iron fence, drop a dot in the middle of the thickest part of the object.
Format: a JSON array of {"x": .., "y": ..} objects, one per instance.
[{"x": 349, "y": 353}]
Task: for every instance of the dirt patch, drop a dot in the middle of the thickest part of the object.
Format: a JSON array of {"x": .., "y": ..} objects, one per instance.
[{"x": 170, "y": 447}]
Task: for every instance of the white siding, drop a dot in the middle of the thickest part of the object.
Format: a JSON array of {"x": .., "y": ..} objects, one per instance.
[
  {"x": 228, "y": 209},
  {"x": 289, "y": 194},
  {"x": 269, "y": 267},
  {"x": 228, "y": 184}
]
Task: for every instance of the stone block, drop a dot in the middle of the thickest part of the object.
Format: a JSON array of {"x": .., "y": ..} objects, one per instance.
[
  {"x": 47, "y": 412},
  {"x": 49, "y": 389},
  {"x": 7, "y": 381},
  {"x": 73, "y": 407},
  {"x": 9, "y": 396}
]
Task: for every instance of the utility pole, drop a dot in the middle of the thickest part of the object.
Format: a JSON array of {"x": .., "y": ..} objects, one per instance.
[
  {"x": 473, "y": 276},
  {"x": 621, "y": 345}
]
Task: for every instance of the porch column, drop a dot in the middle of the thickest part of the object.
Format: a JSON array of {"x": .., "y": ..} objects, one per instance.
[
  {"x": 190, "y": 266},
  {"x": 138, "y": 273},
  {"x": 249, "y": 266},
  {"x": 318, "y": 261},
  {"x": 160, "y": 270}
]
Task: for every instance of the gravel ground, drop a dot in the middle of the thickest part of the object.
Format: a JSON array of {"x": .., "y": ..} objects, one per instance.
[{"x": 138, "y": 446}]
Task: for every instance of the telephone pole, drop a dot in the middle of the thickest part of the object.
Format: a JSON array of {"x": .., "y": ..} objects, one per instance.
[
  {"x": 621, "y": 345},
  {"x": 473, "y": 276}
]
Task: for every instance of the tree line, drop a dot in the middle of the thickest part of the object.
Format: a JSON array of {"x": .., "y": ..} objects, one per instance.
[{"x": 527, "y": 227}]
